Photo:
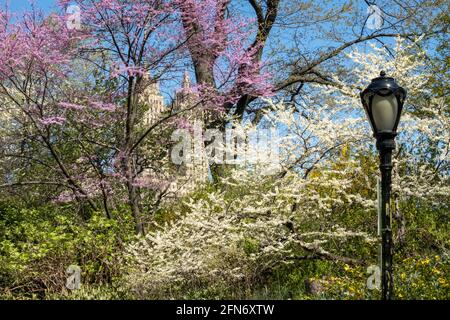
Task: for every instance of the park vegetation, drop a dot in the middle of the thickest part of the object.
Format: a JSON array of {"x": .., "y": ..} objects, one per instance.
[{"x": 74, "y": 150}]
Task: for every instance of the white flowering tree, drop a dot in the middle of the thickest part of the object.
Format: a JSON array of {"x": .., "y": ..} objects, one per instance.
[{"x": 328, "y": 169}]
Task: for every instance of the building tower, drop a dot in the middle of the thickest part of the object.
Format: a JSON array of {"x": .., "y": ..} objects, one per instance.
[
  {"x": 194, "y": 171},
  {"x": 154, "y": 100}
]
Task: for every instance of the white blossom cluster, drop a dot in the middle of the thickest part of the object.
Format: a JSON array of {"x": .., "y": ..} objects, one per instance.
[{"x": 216, "y": 240}]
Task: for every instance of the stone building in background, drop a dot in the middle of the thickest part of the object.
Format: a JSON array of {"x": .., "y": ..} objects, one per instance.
[
  {"x": 193, "y": 173},
  {"x": 154, "y": 100}
]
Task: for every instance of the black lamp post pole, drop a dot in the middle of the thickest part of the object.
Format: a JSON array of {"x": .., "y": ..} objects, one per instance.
[
  {"x": 385, "y": 145},
  {"x": 383, "y": 102}
]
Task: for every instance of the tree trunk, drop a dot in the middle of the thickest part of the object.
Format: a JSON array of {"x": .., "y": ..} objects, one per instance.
[{"x": 127, "y": 160}]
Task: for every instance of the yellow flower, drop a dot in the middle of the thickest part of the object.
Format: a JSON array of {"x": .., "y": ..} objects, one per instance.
[
  {"x": 403, "y": 276},
  {"x": 436, "y": 271},
  {"x": 346, "y": 267},
  {"x": 442, "y": 281}
]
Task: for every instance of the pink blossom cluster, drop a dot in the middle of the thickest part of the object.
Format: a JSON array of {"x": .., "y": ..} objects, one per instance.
[
  {"x": 153, "y": 183},
  {"x": 223, "y": 43},
  {"x": 52, "y": 120},
  {"x": 35, "y": 43}
]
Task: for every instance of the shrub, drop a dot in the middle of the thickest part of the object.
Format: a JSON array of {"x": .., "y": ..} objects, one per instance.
[
  {"x": 38, "y": 245},
  {"x": 206, "y": 250}
]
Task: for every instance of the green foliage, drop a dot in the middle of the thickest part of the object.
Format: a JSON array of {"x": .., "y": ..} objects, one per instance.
[
  {"x": 415, "y": 278},
  {"x": 424, "y": 278},
  {"x": 37, "y": 246},
  {"x": 92, "y": 292}
]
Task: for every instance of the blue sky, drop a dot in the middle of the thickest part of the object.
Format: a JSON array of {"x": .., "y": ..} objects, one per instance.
[{"x": 22, "y": 5}]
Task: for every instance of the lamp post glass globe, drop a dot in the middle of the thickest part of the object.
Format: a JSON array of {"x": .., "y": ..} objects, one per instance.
[
  {"x": 383, "y": 102},
  {"x": 385, "y": 111}
]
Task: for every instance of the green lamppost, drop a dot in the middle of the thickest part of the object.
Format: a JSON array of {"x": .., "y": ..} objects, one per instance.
[{"x": 383, "y": 102}]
